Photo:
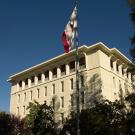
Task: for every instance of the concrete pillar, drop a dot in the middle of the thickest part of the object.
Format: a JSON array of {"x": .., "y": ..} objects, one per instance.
[
  {"x": 58, "y": 72},
  {"x": 129, "y": 76},
  {"x": 50, "y": 75},
  {"x": 114, "y": 66},
  {"x": 29, "y": 82},
  {"x": 43, "y": 77},
  {"x": 23, "y": 85},
  {"x": 67, "y": 69},
  {"x": 17, "y": 87},
  {"x": 120, "y": 70},
  {"x": 36, "y": 80}
]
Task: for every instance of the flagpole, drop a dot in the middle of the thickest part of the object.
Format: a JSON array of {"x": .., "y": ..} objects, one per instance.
[{"x": 77, "y": 77}]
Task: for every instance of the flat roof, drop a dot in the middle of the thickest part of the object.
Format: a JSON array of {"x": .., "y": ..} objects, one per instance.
[{"x": 84, "y": 48}]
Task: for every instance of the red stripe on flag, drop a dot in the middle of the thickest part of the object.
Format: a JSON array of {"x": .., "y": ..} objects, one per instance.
[{"x": 65, "y": 42}]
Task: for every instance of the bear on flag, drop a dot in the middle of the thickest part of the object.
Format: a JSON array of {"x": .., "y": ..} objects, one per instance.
[{"x": 69, "y": 32}]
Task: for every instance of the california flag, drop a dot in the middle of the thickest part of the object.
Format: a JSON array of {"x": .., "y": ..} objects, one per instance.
[{"x": 69, "y": 32}]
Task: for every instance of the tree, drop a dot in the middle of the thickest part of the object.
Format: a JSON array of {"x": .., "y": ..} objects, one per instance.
[
  {"x": 105, "y": 118},
  {"x": 40, "y": 119},
  {"x": 132, "y": 6},
  {"x": 12, "y": 125}
]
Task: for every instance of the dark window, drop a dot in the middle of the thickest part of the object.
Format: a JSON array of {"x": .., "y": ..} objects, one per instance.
[
  {"x": 63, "y": 70},
  {"x": 62, "y": 118},
  {"x": 82, "y": 63},
  {"x": 62, "y": 86},
  {"x": 45, "y": 91},
  {"x": 54, "y": 72},
  {"x": 71, "y": 83},
  {"x": 31, "y": 95},
  {"x": 122, "y": 71},
  {"x": 111, "y": 63},
  {"x": 72, "y": 100},
  {"x": 20, "y": 84},
  {"x": 127, "y": 74},
  {"x": 117, "y": 67},
  {"x": 37, "y": 93},
  {"x": 26, "y": 82},
  {"x": 72, "y": 66},
  {"x": 39, "y": 77},
  {"x": 53, "y": 103},
  {"x": 32, "y": 79},
  {"x": 47, "y": 75},
  {"x": 62, "y": 102},
  {"x": 53, "y": 86}
]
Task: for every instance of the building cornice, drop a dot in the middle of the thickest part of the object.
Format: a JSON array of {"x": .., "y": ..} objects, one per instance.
[{"x": 83, "y": 48}]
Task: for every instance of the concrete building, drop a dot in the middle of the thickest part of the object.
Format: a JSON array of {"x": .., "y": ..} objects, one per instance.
[{"x": 53, "y": 81}]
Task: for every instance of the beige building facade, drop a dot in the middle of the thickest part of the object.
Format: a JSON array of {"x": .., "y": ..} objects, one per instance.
[{"x": 53, "y": 81}]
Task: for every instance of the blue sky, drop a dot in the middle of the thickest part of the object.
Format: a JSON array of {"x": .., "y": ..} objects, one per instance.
[{"x": 30, "y": 32}]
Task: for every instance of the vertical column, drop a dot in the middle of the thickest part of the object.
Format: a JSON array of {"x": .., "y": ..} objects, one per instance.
[
  {"x": 120, "y": 70},
  {"x": 36, "y": 80},
  {"x": 17, "y": 87},
  {"x": 23, "y": 85},
  {"x": 29, "y": 82},
  {"x": 50, "y": 75},
  {"x": 67, "y": 69},
  {"x": 43, "y": 77},
  {"x": 58, "y": 72},
  {"x": 125, "y": 72},
  {"x": 114, "y": 66},
  {"x": 129, "y": 76}
]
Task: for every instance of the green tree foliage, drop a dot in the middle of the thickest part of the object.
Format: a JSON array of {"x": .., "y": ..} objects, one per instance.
[
  {"x": 12, "y": 125},
  {"x": 105, "y": 118},
  {"x": 40, "y": 119},
  {"x": 132, "y": 6}
]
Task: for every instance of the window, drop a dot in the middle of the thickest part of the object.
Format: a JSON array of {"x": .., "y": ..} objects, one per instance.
[
  {"x": 47, "y": 75},
  {"x": 62, "y": 102},
  {"x": 82, "y": 63},
  {"x": 62, "y": 118},
  {"x": 71, "y": 83},
  {"x": 72, "y": 100},
  {"x": 46, "y": 91},
  {"x": 127, "y": 74},
  {"x": 72, "y": 66},
  {"x": 23, "y": 110},
  {"x": 54, "y": 72},
  {"x": 24, "y": 96},
  {"x": 39, "y": 78},
  {"x": 117, "y": 67},
  {"x": 20, "y": 84},
  {"x": 37, "y": 93},
  {"x": 53, "y": 87},
  {"x": 18, "y": 98},
  {"x": 53, "y": 103},
  {"x": 32, "y": 80},
  {"x": 63, "y": 70},
  {"x": 26, "y": 82},
  {"x": 122, "y": 71},
  {"x": 30, "y": 95},
  {"x": 62, "y": 86},
  {"x": 111, "y": 63}
]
